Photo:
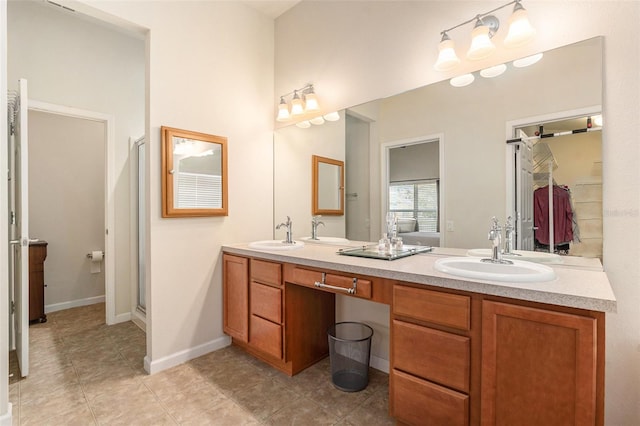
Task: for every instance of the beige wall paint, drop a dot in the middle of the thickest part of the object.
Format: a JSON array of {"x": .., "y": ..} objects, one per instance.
[
  {"x": 354, "y": 52},
  {"x": 66, "y": 203},
  {"x": 210, "y": 69},
  {"x": 77, "y": 63},
  {"x": 293, "y": 150}
]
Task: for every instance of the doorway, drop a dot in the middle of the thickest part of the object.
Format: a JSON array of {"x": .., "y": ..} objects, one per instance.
[
  {"x": 71, "y": 207},
  {"x": 557, "y": 200},
  {"x": 413, "y": 188}
]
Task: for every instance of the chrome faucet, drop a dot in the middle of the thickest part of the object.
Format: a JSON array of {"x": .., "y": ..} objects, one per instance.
[
  {"x": 508, "y": 238},
  {"x": 495, "y": 236},
  {"x": 314, "y": 227},
  {"x": 288, "y": 224}
]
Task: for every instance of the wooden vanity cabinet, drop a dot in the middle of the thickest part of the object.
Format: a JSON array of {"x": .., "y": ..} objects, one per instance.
[
  {"x": 430, "y": 375},
  {"x": 235, "y": 290},
  {"x": 541, "y": 367},
  {"x": 283, "y": 325}
]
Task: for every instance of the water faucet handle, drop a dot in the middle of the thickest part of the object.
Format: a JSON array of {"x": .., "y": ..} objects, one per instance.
[{"x": 509, "y": 224}]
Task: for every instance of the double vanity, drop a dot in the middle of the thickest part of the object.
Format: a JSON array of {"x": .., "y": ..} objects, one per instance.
[{"x": 463, "y": 350}]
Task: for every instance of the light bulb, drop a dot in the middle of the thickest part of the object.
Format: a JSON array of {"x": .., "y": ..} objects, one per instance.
[
  {"x": 481, "y": 45},
  {"x": 311, "y": 102},
  {"x": 520, "y": 30},
  {"x": 304, "y": 124},
  {"x": 447, "y": 58},
  {"x": 493, "y": 71},
  {"x": 332, "y": 116},
  {"x": 296, "y": 104},
  {"x": 317, "y": 120},
  {"x": 462, "y": 80},
  {"x": 283, "y": 111},
  {"x": 529, "y": 60}
]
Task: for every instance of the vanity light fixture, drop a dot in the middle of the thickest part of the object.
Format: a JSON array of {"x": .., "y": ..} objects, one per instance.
[
  {"x": 493, "y": 71},
  {"x": 529, "y": 60},
  {"x": 462, "y": 80},
  {"x": 303, "y": 101},
  {"x": 486, "y": 25}
]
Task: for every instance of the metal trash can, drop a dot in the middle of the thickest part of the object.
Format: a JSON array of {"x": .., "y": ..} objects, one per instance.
[{"x": 349, "y": 351}]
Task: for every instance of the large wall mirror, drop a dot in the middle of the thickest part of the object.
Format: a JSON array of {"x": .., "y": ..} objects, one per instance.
[
  {"x": 473, "y": 124},
  {"x": 194, "y": 174},
  {"x": 327, "y": 186}
]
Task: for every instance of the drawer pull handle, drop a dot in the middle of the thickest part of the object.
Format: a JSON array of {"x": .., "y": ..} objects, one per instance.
[{"x": 322, "y": 284}]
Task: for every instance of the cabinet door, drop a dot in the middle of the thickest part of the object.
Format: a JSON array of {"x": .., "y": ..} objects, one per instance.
[
  {"x": 538, "y": 367},
  {"x": 236, "y": 296}
]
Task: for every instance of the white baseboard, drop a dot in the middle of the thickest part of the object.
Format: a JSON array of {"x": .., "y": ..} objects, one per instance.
[
  {"x": 5, "y": 419},
  {"x": 181, "y": 357},
  {"x": 139, "y": 319},
  {"x": 74, "y": 304},
  {"x": 122, "y": 318},
  {"x": 379, "y": 363}
]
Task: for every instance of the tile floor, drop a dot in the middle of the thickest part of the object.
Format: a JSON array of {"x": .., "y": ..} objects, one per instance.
[{"x": 86, "y": 373}]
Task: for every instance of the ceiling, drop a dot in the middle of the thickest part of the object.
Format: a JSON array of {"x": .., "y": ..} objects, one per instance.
[{"x": 272, "y": 8}]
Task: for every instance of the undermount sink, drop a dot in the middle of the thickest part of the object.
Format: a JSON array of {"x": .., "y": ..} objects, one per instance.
[
  {"x": 276, "y": 245},
  {"x": 473, "y": 267},
  {"x": 529, "y": 256},
  {"x": 326, "y": 240}
]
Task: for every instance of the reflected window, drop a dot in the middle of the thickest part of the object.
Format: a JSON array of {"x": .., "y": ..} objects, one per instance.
[{"x": 417, "y": 200}]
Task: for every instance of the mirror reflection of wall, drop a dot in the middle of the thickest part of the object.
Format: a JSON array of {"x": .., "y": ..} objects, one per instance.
[
  {"x": 293, "y": 147},
  {"x": 472, "y": 121},
  {"x": 329, "y": 186}
]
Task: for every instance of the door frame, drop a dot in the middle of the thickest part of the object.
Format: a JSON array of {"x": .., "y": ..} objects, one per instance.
[
  {"x": 528, "y": 121},
  {"x": 109, "y": 201},
  {"x": 384, "y": 176}
]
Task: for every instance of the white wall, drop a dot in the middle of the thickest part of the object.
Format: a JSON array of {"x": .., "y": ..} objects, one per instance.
[
  {"x": 72, "y": 61},
  {"x": 354, "y": 52},
  {"x": 209, "y": 69},
  {"x": 66, "y": 203}
]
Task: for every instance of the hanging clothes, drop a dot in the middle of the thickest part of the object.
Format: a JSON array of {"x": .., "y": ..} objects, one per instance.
[{"x": 562, "y": 215}]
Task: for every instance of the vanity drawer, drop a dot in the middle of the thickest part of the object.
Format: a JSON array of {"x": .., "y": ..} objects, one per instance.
[
  {"x": 266, "y": 302},
  {"x": 310, "y": 278},
  {"x": 266, "y": 336},
  {"x": 435, "y": 355},
  {"x": 266, "y": 272},
  {"x": 419, "y": 402},
  {"x": 451, "y": 310}
]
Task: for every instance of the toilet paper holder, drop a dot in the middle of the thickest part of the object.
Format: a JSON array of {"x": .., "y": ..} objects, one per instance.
[{"x": 90, "y": 255}]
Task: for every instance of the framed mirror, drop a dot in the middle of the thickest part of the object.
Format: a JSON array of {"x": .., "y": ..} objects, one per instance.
[
  {"x": 194, "y": 174},
  {"x": 327, "y": 186}
]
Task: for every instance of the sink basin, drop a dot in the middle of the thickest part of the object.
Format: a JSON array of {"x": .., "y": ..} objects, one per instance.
[
  {"x": 276, "y": 245},
  {"x": 529, "y": 256},
  {"x": 517, "y": 272},
  {"x": 326, "y": 240}
]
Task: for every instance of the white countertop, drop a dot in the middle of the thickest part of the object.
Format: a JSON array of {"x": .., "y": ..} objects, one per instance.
[{"x": 580, "y": 283}]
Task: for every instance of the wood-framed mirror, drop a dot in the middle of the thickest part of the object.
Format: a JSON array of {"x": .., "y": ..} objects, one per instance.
[
  {"x": 194, "y": 174},
  {"x": 327, "y": 186}
]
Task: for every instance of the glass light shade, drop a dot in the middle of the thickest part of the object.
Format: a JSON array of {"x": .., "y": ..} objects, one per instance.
[
  {"x": 283, "y": 112},
  {"x": 481, "y": 45},
  {"x": 447, "y": 58},
  {"x": 296, "y": 105},
  {"x": 462, "y": 80},
  {"x": 304, "y": 124},
  {"x": 493, "y": 71},
  {"x": 332, "y": 116},
  {"x": 520, "y": 30},
  {"x": 317, "y": 120},
  {"x": 311, "y": 102},
  {"x": 529, "y": 60}
]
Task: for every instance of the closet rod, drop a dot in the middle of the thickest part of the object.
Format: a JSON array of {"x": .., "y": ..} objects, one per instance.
[{"x": 553, "y": 135}]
